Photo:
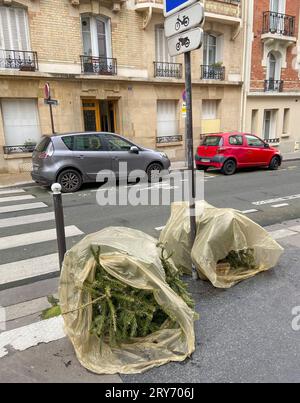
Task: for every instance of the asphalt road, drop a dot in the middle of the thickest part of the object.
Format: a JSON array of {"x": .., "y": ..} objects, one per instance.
[{"x": 239, "y": 191}]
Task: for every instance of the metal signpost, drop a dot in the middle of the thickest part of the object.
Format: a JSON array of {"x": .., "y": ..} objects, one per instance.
[
  {"x": 49, "y": 101},
  {"x": 183, "y": 30}
]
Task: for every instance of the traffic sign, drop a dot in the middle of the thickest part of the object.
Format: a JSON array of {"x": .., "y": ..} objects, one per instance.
[
  {"x": 51, "y": 102},
  {"x": 47, "y": 91},
  {"x": 171, "y": 6},
  {"x": 185, "y": 42},
  {"x": 188, "y": 18}
]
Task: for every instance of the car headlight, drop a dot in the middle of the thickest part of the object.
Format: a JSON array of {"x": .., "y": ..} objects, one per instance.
[{"x": 164, "y": 155}]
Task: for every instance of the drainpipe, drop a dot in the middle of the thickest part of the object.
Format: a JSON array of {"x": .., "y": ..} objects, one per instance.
[{"x": 247, "y": 58}]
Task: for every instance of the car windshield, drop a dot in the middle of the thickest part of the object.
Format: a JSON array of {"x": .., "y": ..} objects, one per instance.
[
  {"x": 43, "y": 144},
  {"x": 212, "y": 141}
]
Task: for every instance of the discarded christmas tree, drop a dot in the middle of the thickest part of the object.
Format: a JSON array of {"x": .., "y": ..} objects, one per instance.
[{"x": 121, "y": 312}]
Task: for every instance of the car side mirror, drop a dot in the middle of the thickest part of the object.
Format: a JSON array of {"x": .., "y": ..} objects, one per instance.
[
  {"x": 134, "y": 150},
  {"x": 267, "y": 145}
]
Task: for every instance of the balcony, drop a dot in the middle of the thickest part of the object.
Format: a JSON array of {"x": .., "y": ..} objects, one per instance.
[
  {"x": 278, "y": 24},
  {"x": 167, "y": 70},
  {"x": 273, "y": 85},
  {"x": 99, "y": 65},
  {"x": 25, "y": 148},
  {"x": 211, "y": 72},
  {"x": 18, "y": 59}
]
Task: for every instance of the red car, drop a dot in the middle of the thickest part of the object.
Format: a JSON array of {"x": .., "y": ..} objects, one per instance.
[{"x": 230, "y": 151}]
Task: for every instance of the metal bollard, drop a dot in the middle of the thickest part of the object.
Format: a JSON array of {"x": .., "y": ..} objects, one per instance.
[{"x": 60, "y": 222}]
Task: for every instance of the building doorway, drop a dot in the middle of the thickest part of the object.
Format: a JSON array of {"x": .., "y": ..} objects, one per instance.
[{"x": 99, "y": 115}]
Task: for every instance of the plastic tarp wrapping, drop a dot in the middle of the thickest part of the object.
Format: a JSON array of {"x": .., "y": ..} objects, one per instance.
[
  {"x": 133, "y": 258},
  {"x": 219, "y": 232}
]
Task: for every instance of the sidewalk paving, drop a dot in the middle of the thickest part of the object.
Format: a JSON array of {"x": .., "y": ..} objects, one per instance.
[{"x": 15, "y": 179}]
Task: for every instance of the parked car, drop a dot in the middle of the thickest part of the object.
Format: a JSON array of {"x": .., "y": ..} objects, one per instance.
[
  {"x": 76, "y": 158},
  {"x": 230, "y": 151}
]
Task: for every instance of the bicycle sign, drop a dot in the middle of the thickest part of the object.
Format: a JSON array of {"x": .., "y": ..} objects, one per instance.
[
  {"x": 185, "y": 42},
  {"x": 181, "y": 21}
]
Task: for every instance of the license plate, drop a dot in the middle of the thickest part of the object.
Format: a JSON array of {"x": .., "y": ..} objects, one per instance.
[{"x": 205, "y": 160}]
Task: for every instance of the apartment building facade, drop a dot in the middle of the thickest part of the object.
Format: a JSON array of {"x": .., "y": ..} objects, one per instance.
[
  {"x": 108, "y": 66},
  {"x": 272, "y": 85}
]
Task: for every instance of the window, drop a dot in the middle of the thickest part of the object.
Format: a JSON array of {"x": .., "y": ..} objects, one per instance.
[
  {"x": 236, "y": 140},
  {"x": 43, "y": 144},
  {"x": 21, "y": 121},
  {"x": 274, "y": 72},
  {"x": 210, "y": 49},
  {"x": 286, "y": 121},
  {"x": 212, "y": 141},
  {"x": 88, "y": 143},
  {"x": 161, "y": 46},
  {"x": 209, "y": 109},
  {"x": 167, "y": 123},
  {"x": 254, "y": 120},
  {"x": 14, "y": 33},
  {"x": 117, "y": 143},
  {"x": 254, "y": 141},
  {"x": 269, "y": 128},
  {"x": 96, "y": 36},
  {"x": 69, "y": 142}
]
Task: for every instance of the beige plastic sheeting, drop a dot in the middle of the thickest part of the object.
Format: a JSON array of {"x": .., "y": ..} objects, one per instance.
[
  {"x": 133, "y": 258},
  {"x": 219, "y": 231}
]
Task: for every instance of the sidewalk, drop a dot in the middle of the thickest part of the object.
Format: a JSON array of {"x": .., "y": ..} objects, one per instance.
[{"x": 15, "y": 179}]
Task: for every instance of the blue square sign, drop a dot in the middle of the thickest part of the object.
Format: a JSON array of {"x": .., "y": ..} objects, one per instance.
[{"x": 172, "y": 6}]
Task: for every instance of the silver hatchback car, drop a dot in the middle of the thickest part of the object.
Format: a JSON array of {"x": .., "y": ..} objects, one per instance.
[{"x": 76, "y": 158}]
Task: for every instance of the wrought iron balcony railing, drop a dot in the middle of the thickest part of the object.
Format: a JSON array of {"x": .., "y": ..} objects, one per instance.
[
  {"x": 28, "y": 148},
  {"x": 19, "y": 59},
  {"x": 277, "y": 23},
  {"x": 163, "y": 69},
  {"x": 211, "y": 72},
  {"x": 99, "y": 65},
  {"x": 273, "y": 85}
]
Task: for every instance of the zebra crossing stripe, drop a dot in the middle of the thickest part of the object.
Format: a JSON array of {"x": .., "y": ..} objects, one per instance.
[
  {"x": 29, "y": 268},
  {"x": 31, "y": 238},
  {"x": 25, "y": 337},
  {"x": 11, "y": 191},
  {"x": 15, "y": 198},
  {"x": 27, "y": 219},
  {"x": 21, "y": 207}
]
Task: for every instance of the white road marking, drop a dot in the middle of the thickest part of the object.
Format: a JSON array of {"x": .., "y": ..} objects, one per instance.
[
  {"x": 18, "y": 184},
  {"x": 25, "y": 337},
  {"x": 21, "y": 207},
  {"x": 160, "y": 228},
  {"x": 249, "y": 211},
  {"x": 11, "y": 191},
  {"x": 25, "y": 269},
  {"x": 280, "y": 205},
  {"x": 26, "y": 308},
  {"x": 31, "y": 238},
  {"x": 27, "y": 219},
  {"x": 276, "y": 200},
  {"x": 296, "y": 228},
  {"x": 15, "y": 198},
  {"x": 282, "y": 233}
]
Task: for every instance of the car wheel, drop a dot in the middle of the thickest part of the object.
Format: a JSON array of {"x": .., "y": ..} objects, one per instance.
[
  {"x": 229, "y": 167},
  {"x": 153, "y": 172},
  {"x": 274, "y": 164},
  {"x": 70, "y": 181}
]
